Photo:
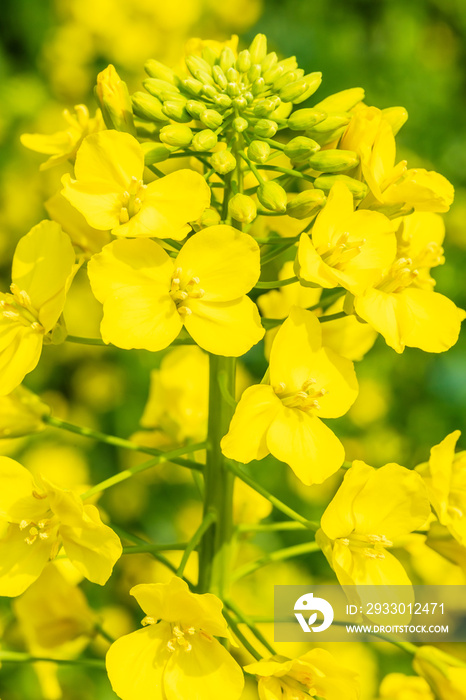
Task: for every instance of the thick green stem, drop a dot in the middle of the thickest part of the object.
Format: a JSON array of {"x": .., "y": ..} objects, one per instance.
[{"x": 215, "y": 547}]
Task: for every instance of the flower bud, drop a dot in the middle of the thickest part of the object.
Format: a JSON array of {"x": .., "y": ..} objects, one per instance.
[
  {"x": 272, "y": 196},
  {"x": 227, "y": 59},
  {"x": 155, "y": 69},
  {"x": 204, "y": 140},
  {"x": 264, "y": 107},
  {"x": 242, "y": 208},
  {"x": 177, "y": 135},
  {"x": 21, "y": 413},
  {"x": 300, "y": 148},
  {"x": 258, "y": 151},
  {"x": 210, "y": 217},
  {"x": 160, "y": 88},
  {"x": 254, "y": 72},
  {"x": 258, "y": 86},
  {"x": 333, "y": 160},
  {"x": 154, "y": 152},
  {"x": 176, "y": 110},
  {"x": 196, "y": 63},
  {"x": 115, "y": 103},
  {"x": 219, "y": 77},
  {"x": 270, "y": 60},
  {"x": 240, "y": 102},
  {"x": 222, "y": 100},
  {"x": 258, "y": 48},
  {"x": 243, "y": 62},
  {"x": 148, "y": 107},
  {"x": 211, "y": 118},
  {"x": 266, "y": 128},
  {"x": 240, "y": 124},
  {"x": 193, "y": 86},
  {"x": 341, "y": 101},
  {"x": 306, "y": 204},
  {"x": 306, "y": 86},
  {"x": 330, "y": 128},
  {"x": 325, "y": 182},
  {"x": 210, "y": 91},
  {"x": 195, "y": 108},
  {"x": 396, "y": 117},
  {"x": 232, "y": 75},
  {"x": 304, "y": 119},
  {"x": 209, "y": 55},
  {"x": 223, "y": 162}
]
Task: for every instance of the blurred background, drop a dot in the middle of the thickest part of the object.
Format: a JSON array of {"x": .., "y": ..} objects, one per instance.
[{"x": 403, "y": 53}]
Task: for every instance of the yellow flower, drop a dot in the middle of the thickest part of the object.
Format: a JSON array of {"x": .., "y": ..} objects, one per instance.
[
  {"x": 176, "y": 655},
  {"x": 110, "y": 192},
  {"x": 63, "y": 145},
  {"x": 306, "y": 381},
  {"x": 402, "y": 307},
  {"x": 314, "y": 673},
  {"x": 21, "y": 413},
  {"x": 397, "y": 686},
  {"x": 371, "y": 509},
  {"x": 445, "y": 675},
  {"x": 347, "y": 248},
  {"x": 445, "y": 478},
  {"x": 42, "y": 517},
  {"x": 43, "y": 268},
  {"x": 89, "y": 240},
  {"x": 148, "y": 296},
  {"x": 115, "y": 102}
]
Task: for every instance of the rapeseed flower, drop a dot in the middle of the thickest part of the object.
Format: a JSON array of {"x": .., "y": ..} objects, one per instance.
[
  {"x": 176, "y": 656},
  {"x": 110, "y": 192},
  {"x": 148, "y": 296},
  {"x": 306, "y": 381},
  {"x": 445, "y": 675}
]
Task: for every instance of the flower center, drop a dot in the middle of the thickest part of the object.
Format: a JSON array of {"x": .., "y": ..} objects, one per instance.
[
  {"x": 132, "y": 199},
  {"x": 18, "y": 307},
  {"x": 372, "y": 546},
  {"x": 339, "y": 255},
  {"x": 181, "y": 292},
  {"x": 401, "y": 275},
  {"x": 305, "y": 400}
]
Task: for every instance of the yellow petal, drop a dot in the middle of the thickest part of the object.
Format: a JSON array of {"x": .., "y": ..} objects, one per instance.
[
  {"x": 425, "y": 190},
  {"x": 168, "y": 206},
  {"x": 201, "y": 672},
  {"x": 311, "y": 267},
  {"x": 428, "y": 320},
  {"x": 49, "y": 144},
  {"x": 381, "y": 311},
  {"x": 336, "y": 376},
  {"x": 92, "y": 547},
  {"x": 43, "y": 266},
  {"x": 330, "y": 223},
  {"x": 339, "y": 519},
  {"x": 109, "y": 158},
  {"x": 136, "y": 663},
  {"x": 348, "y": 336},
  {"x": 227, "y": 328},
  {"x": 99, "y": 202},
  {"x": 440, "y": 470},
  {"x": 90, "y": 240},
  {"x": 19, "y": 355},
  {"x": 306, "y": 444},
  {"x": 17, "y": 502},
  {"x": 368, "y": 571},
  {"x": 293, "y": 349},
  {"x": 226, "y": 261},
  {"x": 21, "y": 563},
  {"x": 246, "y": 437}
]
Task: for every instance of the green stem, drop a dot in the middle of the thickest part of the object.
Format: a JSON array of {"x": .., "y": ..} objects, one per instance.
[
  {"x": 85, "y": 341},
  {"x": 149, "y": 547},
  {"x": 252, "y": 167},
  {"x": 279, "y": 555},
  {"x": 155, "y": 170},
  {"x": 276, "y": 283},
  {"x": 287, "y": 171},
  {"x": 270, "y": 527},
  {"x": 244, "y": 641},
  {"x": 23, "y": 657},
  {"x": 247, "y": 621},
  {"x": 215, "y": 548},
  {"x": 103, "y": 633},
  {"x": 127, "y": 473},
  {"x": 279, "y": 505},
  {"x": 121, "y": 442},
  {"x": 195, "y": 539},
  {"x": 333, "y": 317}
]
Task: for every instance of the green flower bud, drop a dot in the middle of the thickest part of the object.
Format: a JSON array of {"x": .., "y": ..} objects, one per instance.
[
  {"x": 209, "y": 55},
  {"x": 301, "y": 148},
  {"x": 193, "y": 86},
  {"x": 21, "y": 413},
  {"x": 273, "y": 73},
  {"x": 265, "y": 128},
  {"x": 204, "y": 77},
  {"x": 272, "y": 196},
  {"x": 233, "y": 89},
  {"x": 254, "y": 72},
  {"x": 227, "y": 59},
  {"x": 147, "y": 107},
  {"x": 222, "y": 100},
  {"x": 155, "y": 69},
  {"x": 115, "y": 103},
  {"x": 333, "y": 160},
  {"x": 176, "y": 110},
  {"x": 210, "y": 217},
  {"x": 195, "y": 108},
  {"x": 210, "y": 91},
  {"x": 341, "y": 101},
  {"x": 258, "y": 86},
  {"x": 306, "y": 204},
  {"x": 155, "y": 152},
  {"x": 160, "y": 88},
  {"x": 332, "y": 123},
  {"x": 304, "y": 119},
  {"x": 242, "y": 208},
  {"x": 240, "y": 124},
  {"x": 258, "y": 48},
  {"x": 240, "y": 102},
  {"x": 219, "y": 77},
  {"x": 232, "y": 75},
  {"x": 270, "y": 60},
  {"x": 325, "y": 182},
  {"x": 204, "y": 140},
  {"x": 177, "y": 135},
  {"x": 396, "y": 117},
  {"x": 306, "y": 86},
  {"x": 211, "y": 118},
  {"x": 264, "y": 107},
  {"x": 223, "y": 162},
  {"x": 258, "y": 151},
  {"x": 196, "y": 63},
  {"x": 287, "y": 78},
  {"x": 243, "y": 62}
]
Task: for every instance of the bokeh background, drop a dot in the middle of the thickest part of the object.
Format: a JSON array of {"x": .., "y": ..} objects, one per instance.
[{"x": 403, "y": 53}]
